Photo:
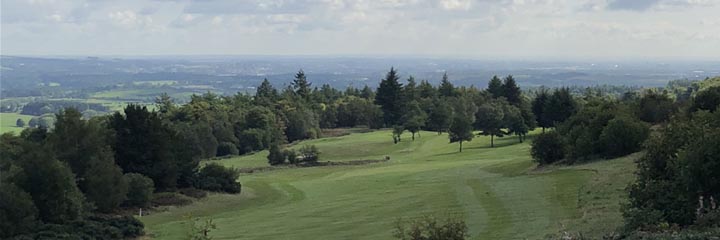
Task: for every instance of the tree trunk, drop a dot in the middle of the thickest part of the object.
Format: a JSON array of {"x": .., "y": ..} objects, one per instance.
[
  {"x": 461, "y": 146},
  {"x": 413, "y": 136},
  {"x": 543, "y": 128},
  {"x": 492, "y": 141},
  {"x": 520, "y": 137}
]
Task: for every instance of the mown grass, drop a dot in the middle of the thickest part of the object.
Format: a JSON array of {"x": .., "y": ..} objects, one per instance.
[
  {"x": 497, "y": 191},
  {"x": 8, "y": 122}
]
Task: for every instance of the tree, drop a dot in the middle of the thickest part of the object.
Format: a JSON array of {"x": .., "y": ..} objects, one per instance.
[
  {"x": 140, "y": 190},
  {"x": 414, "y": 118},
  {"x": 539, "y": 108},
  {"x": 655, "y": 107},
  {"x": 389, "y": 97},
  {"x": 275, "y": 155},
  {"x": 104, "y": 184},
  {"x": 461, "y": 125},
  {"x": 511, "y": 91},
  {"x": 560, "y": 106},
  {"x": 707, "y": 99},
  {"x": 309, "y": 153},
  {"x": 266, "y": 93},
  {"x": 410, "y": 90},
  {"x": 440, "y": 116},
  {"x": 143, "y": 144},
  {"x": 427, "y": 90},
  {"x": 217, "y": 178},
  {"x": 20, "y": 123},
  {"x": 495, "y": 87},
  {"x": 514, "y": 122},
  {"x": 301, "y": 85},
  {"x": 51, "y": 184},
  {"x": 367, "y": 93},
  {"x": 622, "y": 136},
  {"x": 446, "y": 88},
  {"x": 33, "y": 123},
  {"x": 18, "y": 214},
  {"x": 397, "y": 132},
  {"x": 547, "y": 148},
  {"x": 489, "y": 120}
]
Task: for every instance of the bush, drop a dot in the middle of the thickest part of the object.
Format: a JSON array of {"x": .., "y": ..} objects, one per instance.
[
  {"x": 291, "y": 156},
  {"x": 429, "y": 228},
  {"x": 622, "y": 136},
  {"x": 95, "y": 227},
  {"x": 170, "y": 199},
  {"x": 547, "y": 148},
  {"x": 309, "y": 153},
  {"x": 217, "y": 178},
  {"x": 275, "y": 156},
  {"x": 227, "y": 148},
  {"x": 140, "y": 190}
]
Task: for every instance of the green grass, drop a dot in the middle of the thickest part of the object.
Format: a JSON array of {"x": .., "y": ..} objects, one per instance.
[
  {"x": 8, "y": 121},
  {"x": 497, "y": 191}
]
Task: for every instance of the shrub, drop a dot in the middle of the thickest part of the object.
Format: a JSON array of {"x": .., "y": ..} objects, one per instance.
[
  {"x": 170, "y": 199},
  {"x": 140, "y": 190},
  {"x": 429, "y": 228},
  {"x": 20, "y": 123},
  {"x": 95, "y": 227},
  {"x": 622, "y": 136},
  {"x": 275, "y": 156},
  {"x": 547, "y": 148},
  {"x": 291, "y": 156},
  {"x": 309, "y": 153},
  {"x": 217, "y": 178},
  {"x": 227, "y": 148},
  {"x": 18, "y": 214}
]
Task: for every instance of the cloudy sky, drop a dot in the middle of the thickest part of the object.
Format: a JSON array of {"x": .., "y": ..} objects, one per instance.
[{"x": 475, "y": 28}]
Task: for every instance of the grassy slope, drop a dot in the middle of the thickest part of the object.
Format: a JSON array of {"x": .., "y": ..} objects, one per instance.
[
  {"x": 8, "y": 120},
  {"x": 494, "y": 189}
]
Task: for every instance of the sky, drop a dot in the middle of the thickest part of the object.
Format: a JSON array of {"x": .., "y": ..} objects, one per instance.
[{"x": 646, "y": 29}]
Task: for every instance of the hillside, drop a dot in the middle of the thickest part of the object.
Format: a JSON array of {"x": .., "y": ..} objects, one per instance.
[{"x": 497, "y": 191}]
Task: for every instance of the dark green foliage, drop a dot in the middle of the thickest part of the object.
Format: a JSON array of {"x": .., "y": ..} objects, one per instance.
[
  {"x": 547, "y": 148},
  {"x": 95, "y": 227},
  {"x": 514, "y": 122},
  {"x": 446, "y": 88},
  {"x": 489, "y": 119},
  {"x": 301, "y": 85},
  {"x": 495, "y": 87},
  {"x": 20, "y": 123},
  {"x": 462, "y": 120},
  {"x": 430, "y": 228},
  {"x": 18, "y": 214},
  {"x": 582, "y": 130},
  {"x": 51, "y": 184},
  {"x": 560, "y": 106},
  {"x": 655, "y": 107},
  {"x": 427, "y": 90},
  {"x": 266, "y": 93},
  {"x": 622, "y": 136},
  {"x": 708, "y": 99},
  {"x": 227, "y": 148},
  {"x": 302, "y": 124},
  {"x": 275, "y": 155},
  {"x": 397, "y": 133},
  {"x": 680, "y": 167},
  {"x": 104, "y": 185},
  {"x": 389, "y": 97},
  {"x": 309, "y": 153},
  {"x": 217, "y": 178},
  {"x": 511, "y": 91},
  {"x": 140, "y": 190},
  {"x": 33, "y": 122},
  {"x": 193, "y": 192},
  {"x": 539, "y": 108},
  {"x": 414, "y": 118},
  {"x": 143, "y": 144},
  {"x": 440, "y": 116},
  {"x": 170, "y": 199}
]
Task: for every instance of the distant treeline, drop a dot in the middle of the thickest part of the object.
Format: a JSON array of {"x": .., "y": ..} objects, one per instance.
[{"x": 37, "y": 108}]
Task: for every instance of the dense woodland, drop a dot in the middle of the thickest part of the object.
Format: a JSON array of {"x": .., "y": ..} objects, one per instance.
[{"x": 82, "y": 175}]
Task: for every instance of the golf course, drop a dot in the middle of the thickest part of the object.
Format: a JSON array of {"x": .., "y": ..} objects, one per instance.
[{"x": 499, "y": 192}]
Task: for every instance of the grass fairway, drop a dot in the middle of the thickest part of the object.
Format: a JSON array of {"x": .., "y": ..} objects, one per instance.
[
  {"x": 8, "y": 121},
  {"x": 495, "y": 190}
]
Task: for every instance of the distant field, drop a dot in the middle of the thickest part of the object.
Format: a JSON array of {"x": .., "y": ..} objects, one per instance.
[
  {"x": 8, "y": 120},
  {"x": 497, "y": 191}
]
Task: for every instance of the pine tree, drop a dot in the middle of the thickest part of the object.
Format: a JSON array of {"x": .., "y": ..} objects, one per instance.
[
  {"x": 511, "y": 91},
  {"x": 495, "y": 87},
  {"x": 389, "y": 97},
  {"x": 446, "y": 88},
  {"x": 266, "y": 92},
  {"x": 539, "y": 105},
  {"x": 301, "y": 85}
]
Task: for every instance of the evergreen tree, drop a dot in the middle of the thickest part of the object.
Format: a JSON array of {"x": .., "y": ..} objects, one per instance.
[
  {"x": 427, "y": 90},
  {"x": 410, "y": 90},
  {"x": 266, "y": 93},
  {"x": 539, "y": 105},
  {"x": 560, "y": 106},
  {"x": 301, "y": 85},
  {"x": 440, "y": 115},
  {"x": 511, "y": 91},
  {"x": 495, "y": 87},
  {"x": 389, "y": 97},
  {"x": 367, "y": 93},
  {"x": 446, "y": 88}
]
